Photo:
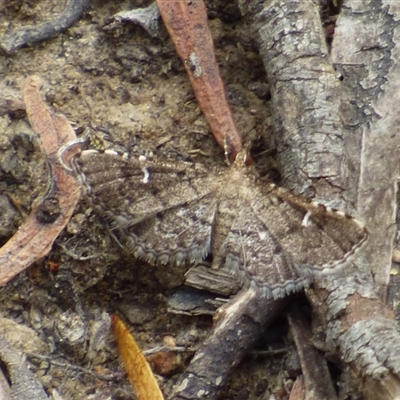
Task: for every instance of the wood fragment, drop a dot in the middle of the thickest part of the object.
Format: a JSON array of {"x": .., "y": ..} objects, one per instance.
[
  {"x": 23, "y": 384},
  {"x": 146, "y": 17},
  {"x": 202, "y": 277},
  {"x": 396, "y": 255},
  {"x": 20, "y": 37},
  {"x": 374, "y": 119},
  {"x": 237, "y": 327},
  {"x": 317, "y": 382},
  {"x": 297, "y": 392},
  {"x": 5, "y": 391}
]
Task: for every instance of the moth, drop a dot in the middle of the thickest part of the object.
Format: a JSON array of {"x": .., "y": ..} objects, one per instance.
[{"x": 180, "y": 212}]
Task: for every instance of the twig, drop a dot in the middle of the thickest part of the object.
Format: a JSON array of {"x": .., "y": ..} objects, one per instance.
[
  {"x": 68, "y": 366},
  {"x": 17, "y": 38},
  {"x": 317, "y": 380},
  {"x": 238, "y": 326}
]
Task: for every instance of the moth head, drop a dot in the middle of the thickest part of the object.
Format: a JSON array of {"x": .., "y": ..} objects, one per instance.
[{"x": 243, "y": 158}]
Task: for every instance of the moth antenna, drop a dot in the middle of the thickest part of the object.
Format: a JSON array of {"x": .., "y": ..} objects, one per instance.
[{"x": 226, "y": 151}]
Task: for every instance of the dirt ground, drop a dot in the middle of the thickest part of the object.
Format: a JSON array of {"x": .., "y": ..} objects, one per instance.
[{"x": 133, "y": 92}]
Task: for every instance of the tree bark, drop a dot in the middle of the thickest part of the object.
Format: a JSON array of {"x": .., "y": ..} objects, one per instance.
[
  {"x": 336, "y": 140},
  {"x": 369, "y": 65}
]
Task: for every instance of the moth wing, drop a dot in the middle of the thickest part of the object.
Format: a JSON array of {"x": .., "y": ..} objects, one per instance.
[
  {"x": 178, "y": 234},
  {"x": 131, "y": 190},
  {"x": 319, "y": 239},
  {"x": 252, "y": 251},
  {"x": 162, "y": 212}
]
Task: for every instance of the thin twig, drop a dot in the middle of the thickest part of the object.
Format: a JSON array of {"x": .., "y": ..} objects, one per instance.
[{"x": 20, "y": 37}]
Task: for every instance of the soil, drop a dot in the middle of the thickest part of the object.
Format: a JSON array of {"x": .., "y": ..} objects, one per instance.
[{"x": 132, "y": 92}]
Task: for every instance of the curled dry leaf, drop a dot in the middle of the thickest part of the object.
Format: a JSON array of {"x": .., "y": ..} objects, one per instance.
[{"x": 48, "y": 217}]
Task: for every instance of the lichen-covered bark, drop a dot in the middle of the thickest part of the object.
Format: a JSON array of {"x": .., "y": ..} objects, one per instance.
[
  {"x": 306, "y": 99},
  {"x": 336, "y": 138},
  {"x": 369, "y": 63}
]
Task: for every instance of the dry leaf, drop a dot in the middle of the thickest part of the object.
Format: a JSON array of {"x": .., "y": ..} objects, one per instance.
[
  {"x": 35, "y": 237},
  {"x": 136, "y": 366}
]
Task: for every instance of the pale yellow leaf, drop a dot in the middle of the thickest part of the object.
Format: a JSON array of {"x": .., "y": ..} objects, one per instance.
[{"x": 137, "y": 368}]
